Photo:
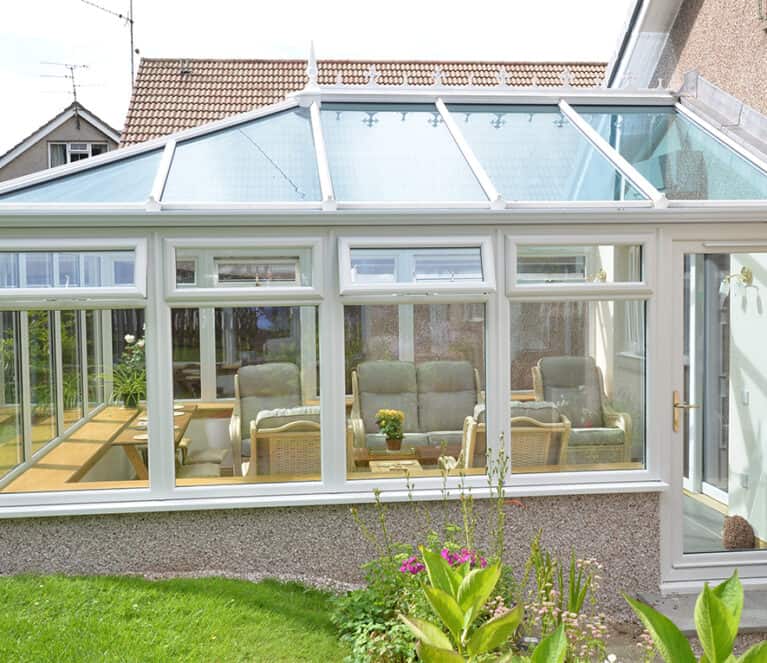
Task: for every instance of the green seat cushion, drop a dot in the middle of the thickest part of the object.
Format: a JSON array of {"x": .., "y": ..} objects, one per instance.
[{"x": 596, "y": 436}]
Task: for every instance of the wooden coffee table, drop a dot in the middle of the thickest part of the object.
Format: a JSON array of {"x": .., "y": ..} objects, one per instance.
[{"x": 399, "y": 466}]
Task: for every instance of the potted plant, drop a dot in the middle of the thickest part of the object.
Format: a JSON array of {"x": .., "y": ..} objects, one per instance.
[
  {"x": 129, "y": 375},
  {"x": 390, "y": 424}
]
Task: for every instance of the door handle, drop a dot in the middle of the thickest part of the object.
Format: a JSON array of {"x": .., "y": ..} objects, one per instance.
[{"x": 679, "y": 405}]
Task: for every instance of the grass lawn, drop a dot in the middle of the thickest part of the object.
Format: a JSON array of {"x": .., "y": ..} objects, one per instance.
[{"x": 54, "y": 618}]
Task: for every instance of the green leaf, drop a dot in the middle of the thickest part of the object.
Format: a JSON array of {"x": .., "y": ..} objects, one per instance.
[
  {"x": 730, "y": 592},
  {"x": 447, "y": 610},
  {"x": 428, "y": 633},
  {"x": 669, "y": 641},
  {"x": 494, "y": 632},
  {"x": 757, "y": 654},
  {"x": 552, "y": 649},
  {"x": 714, "y": 623},
  {"x": 477, "y": 586},
  {"x": 441, "y": 575},
  {"x": 436, "y": 655}
]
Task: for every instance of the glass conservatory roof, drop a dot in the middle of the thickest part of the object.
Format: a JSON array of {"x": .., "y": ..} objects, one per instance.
[{"x": 398, "y": 151}]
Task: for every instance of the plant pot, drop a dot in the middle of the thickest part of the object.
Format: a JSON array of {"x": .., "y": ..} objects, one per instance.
[{"x": 394, "y": 444}]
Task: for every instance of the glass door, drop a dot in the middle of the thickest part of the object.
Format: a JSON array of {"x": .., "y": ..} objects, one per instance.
[{"x": 720, "y": 412}]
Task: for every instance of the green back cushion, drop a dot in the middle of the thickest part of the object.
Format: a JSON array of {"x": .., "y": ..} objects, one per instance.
[
  {"x": 573, "y": 385},
  {"x": 266, "y": 387},
  {"x": 389, "y": 385},
  {"x": 446, "y": 394}
]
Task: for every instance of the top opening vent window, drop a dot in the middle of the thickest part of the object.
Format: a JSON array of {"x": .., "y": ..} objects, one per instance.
[{"x": 411, "y": 268}]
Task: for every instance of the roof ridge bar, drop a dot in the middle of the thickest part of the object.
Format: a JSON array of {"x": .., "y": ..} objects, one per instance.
[
  {"x": 321, "y": 155},
  {"x": 495, "y": 198},
  {"x": 722, "y": 137},
  {"x": 154, "y": 202},
  {"x": 613, "y": 156}
]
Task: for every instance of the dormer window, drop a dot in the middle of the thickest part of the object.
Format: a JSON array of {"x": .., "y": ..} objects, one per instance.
[{"x": 63, "y": 153}]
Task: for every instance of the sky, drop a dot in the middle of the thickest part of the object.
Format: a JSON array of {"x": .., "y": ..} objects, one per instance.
[{"x": 35, "y": 32}]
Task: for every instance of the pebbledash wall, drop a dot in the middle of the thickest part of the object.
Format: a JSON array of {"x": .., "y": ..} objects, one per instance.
[
  {"x": 724, "y": 40},
  {"x": 323, "y": 544}
]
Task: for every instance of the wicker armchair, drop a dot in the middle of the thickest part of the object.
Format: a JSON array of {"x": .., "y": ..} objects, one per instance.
[
  {"x": 292, "y": 447},
  {"x": 599, "y": 434}
]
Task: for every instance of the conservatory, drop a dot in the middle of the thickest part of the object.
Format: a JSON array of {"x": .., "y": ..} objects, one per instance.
[{"x": 559, "y": 286}]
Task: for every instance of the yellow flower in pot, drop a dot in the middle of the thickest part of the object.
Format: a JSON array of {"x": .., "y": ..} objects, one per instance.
[{"x": 390, "y": 424}]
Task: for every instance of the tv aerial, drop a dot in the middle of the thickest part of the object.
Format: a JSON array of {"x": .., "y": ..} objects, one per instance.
[{"x": 127, "y": 20}]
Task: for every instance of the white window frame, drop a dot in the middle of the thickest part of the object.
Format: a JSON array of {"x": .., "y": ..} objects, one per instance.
[
  {"x": 57, "y": 296},
  {"x": 243, "y": 246},
  {"x": 611, "y": 480},
  {"x": 483, "y": 242},
  {"x": 70, "y": 151}
]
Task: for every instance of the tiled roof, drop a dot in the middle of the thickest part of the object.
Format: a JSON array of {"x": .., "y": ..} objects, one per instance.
[{"x": 174, "y": 94}]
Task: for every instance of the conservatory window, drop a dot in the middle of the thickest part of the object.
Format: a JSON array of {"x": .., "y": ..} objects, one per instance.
[
  {"x": 276, "y": 268},
  {"x": 73, "y": 411},
  {"x": 578, "y": 354},
  {"x": 266, "y": 363},
  {"x": 101, "y": 271},
  {"x": 415, "y": 265},
  {"x": 427, "y": 362}
]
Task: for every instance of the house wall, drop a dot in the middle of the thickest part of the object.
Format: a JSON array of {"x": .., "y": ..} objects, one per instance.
[
  {"x": 726, "y": 41},
  {"x": 748, "y": 396},
  {"x": 36, "y": 157},
  {"x": 323, "y": 542}
]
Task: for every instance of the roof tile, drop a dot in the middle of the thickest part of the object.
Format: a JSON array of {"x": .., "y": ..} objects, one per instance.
[{"x": 174, "y": 94}]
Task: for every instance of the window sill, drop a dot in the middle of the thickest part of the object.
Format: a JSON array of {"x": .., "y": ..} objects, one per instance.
[{"x": 319, "y": 499}]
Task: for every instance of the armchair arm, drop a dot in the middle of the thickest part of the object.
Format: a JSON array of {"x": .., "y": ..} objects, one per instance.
[
  {"x": 357, "y": 427},
  {"x": 620, "y": 420}
]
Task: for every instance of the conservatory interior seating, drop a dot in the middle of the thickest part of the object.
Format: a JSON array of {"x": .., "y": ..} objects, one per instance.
[
  {"x": 269, "y": 423},
  {"x": 599, "y": 434},
  {"x": 435, "y": 396}
]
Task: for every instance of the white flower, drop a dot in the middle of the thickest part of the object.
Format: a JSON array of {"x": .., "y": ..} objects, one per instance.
[
  {"x": 611, "y": 658},
  {"x": 140, "y": 343},
  {"x": 130, "y": 339}
]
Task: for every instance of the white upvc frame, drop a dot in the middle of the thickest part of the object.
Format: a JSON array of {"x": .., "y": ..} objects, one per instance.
[
  {"x": 69, "y": 144},
  {"x": 680, "y": 571},
  {"x": 242, "y": 243},
  {"x": 651, "y": 474},
  {"x": 590, "y": 290},
  {"x": 16, "y": 298},
  {"x": 482, "y": 241}
]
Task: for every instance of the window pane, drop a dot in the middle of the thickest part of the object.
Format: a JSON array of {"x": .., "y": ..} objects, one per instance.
[
  {"x": 98, "y": 148},
  {"x": 42, "y": 378},
  {"x": 271, "y": 355},
  {"x": 257, "y": 272},
  {"x": 409, "y": 265},
  {"x": 185, "y": 323},
  {"x": 579, "y": 264},
  {"x": 108, "y": 449},
  {"x": 391, "y": 152},
  {"x": 676, "y": 156},
  {"x": 578, "y": 385},
  {"x": 58, "y": 154},
  {"x": 46, "y": 269},
  {"x": 72, "y": 379},
  {"x": 426, "y": 361},
  {"x": 535, "y": 153},
  {"x": 11, "y": 431},
  {"x": 269, "y": 159},
  {"x": 255, "y": 268},
  {"x": 126, "y": 181}
]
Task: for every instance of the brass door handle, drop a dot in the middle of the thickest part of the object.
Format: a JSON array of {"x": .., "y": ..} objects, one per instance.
[{"x": 680, "y": 405}]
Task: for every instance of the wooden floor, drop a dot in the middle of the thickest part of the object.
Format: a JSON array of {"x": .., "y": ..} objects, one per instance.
[{"x": 67, "y": 463}]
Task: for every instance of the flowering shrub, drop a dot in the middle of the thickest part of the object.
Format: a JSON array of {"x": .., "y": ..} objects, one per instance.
[
  {"x": 129, "y": 374},
  {"x": 390, "y": 423}
]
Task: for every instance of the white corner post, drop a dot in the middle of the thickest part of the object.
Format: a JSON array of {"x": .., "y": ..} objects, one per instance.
[{"x": 153, "y": 203}]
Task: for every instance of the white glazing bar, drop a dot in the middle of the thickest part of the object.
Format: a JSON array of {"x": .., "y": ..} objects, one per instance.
[
  {"x": 159, "y": 379},
  {"x": 326, "y": 183},
  {"x": 496, "y": 200},
  {"x": 161, "y": 176},
  {"x": 719, "y": 135},
  {"x": 26, "y": 387},
  {"x": 613, "y": 156}
]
